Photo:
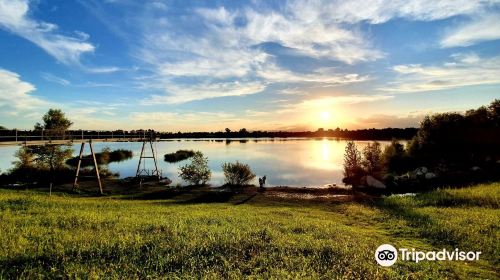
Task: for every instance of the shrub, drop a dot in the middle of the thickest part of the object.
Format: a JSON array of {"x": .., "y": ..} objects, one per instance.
[
  {"x": 197, "y": 171},
  {"x": 105, "y": 157},
  {"x": 237, "y": 173},
  {"x": 180, "y": 155}
]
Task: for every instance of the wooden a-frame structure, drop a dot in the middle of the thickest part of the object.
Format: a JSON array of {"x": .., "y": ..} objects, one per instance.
[
  {"x": 96, "y": 167},
  {"x": 143, "y": 171}
]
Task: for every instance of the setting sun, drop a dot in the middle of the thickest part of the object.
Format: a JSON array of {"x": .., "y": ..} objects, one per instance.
[{"x": 325, "y": 116}]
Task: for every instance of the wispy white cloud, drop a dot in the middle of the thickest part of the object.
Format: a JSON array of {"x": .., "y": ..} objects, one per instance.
[
  {"x": 15, "y": 94},
  {"x": 226, "y": 60},
  {"x": 480, "y": 29},
  {"x": 228, "y": 47},
  {"x": 328, "y": 76},
  {"x": 307, "y": 34},
  {"x": 55, "y": 79},
  {"x": 103, "y": 70},
  {"x": 381, "y": 11},
  {"x": 181, "y": 93},
  {"x": 15, "y": 17},
  {"x": 464, "y": 70},
  {"x": 64, "y": 82}
]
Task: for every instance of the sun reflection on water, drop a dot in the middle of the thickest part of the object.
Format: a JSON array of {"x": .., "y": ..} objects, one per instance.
[{"x": 326, "y": 150}]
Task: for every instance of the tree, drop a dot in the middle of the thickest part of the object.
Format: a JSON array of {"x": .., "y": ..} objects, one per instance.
[
  {"x": 24, "y": 157},
  {"x": 371, "y": 162},
  {"x": 352, "y": 164},
  {"x": 54, "y": 119},
  {"x": 197, "y": 171},
  {"x": 237, "y": 173},
  {"x": 228, "y": 130},
  {"x": 494, "y": 112},
  {"x": 50, "y": 156},
  {"x": 243, "y": 131},
  {"x": 2, "y": 127},
  {"x": 394, "y": 158},
  {"x": 55, "y": 123}
]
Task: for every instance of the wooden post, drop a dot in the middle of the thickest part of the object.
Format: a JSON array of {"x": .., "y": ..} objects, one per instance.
[
  {"x": 96, "y": 168},
  {"x": 140, "y": 159},
  {"x": 75, "y": 183},
  {"x": 154, "y": 159},
  {"x": 16, "y": 134}
]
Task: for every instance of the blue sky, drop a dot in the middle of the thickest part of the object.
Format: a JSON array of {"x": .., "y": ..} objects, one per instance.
[{"x": 207, "y": 65}]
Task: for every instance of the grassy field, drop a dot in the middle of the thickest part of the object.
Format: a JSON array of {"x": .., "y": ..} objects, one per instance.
[{"x": 206, "y": 235}]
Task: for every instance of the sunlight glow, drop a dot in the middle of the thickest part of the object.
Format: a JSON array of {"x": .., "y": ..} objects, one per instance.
[
  {"x": 325, "y": 116},
  {"x": 326, "y": 150}
]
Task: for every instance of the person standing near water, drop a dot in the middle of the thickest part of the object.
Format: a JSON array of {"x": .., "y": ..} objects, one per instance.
[{"x": 262, "y": 181}]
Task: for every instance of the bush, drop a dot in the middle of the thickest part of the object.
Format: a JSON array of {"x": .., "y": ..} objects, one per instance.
[
  {"x": 180, "y": 155},
  {"x": 197, "y": 171},
  {"x": 237, "y": 173},
  {"x": 105, "y": 157}
]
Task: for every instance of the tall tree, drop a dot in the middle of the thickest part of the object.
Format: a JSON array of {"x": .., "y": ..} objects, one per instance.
[
  {"x": 372, "y": 159},
  {"x": 352, "y": 164},
  {"x": 52, "y": 156},
  {"x": 55, "y": 123}
]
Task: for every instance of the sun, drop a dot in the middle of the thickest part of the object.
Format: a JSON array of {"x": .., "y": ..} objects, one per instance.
[{"x": 325, "y": 116}]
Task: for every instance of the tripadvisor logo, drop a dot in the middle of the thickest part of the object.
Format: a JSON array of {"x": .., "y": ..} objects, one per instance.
[{"x": 387, "y": 255}]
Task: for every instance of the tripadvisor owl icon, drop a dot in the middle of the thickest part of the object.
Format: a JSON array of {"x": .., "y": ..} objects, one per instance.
[{"x": 386, "y": 255}]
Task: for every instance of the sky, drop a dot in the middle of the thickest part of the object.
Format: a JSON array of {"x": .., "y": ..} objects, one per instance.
[{"x": 260, "y": 65}]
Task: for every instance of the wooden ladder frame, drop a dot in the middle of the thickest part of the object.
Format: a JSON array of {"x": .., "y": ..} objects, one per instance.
[
  {"x": 96, "y": 167},
  {"x": 140, "y": 171}
]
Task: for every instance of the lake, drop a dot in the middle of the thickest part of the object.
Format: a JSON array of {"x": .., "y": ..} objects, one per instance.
[{"x": 300, "y": 162}]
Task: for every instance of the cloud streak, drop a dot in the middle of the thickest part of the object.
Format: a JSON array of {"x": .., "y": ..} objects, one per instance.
[
  {"x": 464, "y": 70},
  {"x": 484, "y": 28},
  {"x": 185, "y": 93}
]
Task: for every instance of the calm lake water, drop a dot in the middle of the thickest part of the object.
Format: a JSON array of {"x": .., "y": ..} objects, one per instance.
[{"x": 286, "y": 162}]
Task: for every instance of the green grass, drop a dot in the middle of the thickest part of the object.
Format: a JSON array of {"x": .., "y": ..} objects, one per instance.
[{"x": 196, "y": 235}]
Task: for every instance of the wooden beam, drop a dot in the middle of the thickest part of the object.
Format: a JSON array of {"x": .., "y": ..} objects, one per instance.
[
  {"x": 140, "y": 160},
  {"x": 96, "y": 168},
  {"x": 75, "y": 183},
  {"x": 154, "y": 158}
]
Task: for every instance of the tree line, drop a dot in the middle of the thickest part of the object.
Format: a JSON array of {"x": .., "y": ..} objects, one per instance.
[
  {"x": 448, "y": 148},
  {"x": 360, "y": 134}
]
